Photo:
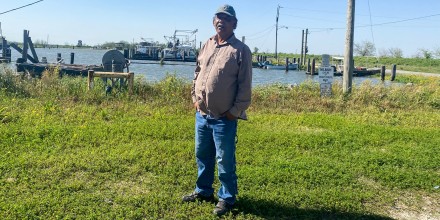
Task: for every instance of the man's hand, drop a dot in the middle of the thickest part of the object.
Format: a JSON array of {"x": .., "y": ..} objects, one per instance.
[
  {"x": 196, "y": 106},
  {"x": 230, "y": 116}
]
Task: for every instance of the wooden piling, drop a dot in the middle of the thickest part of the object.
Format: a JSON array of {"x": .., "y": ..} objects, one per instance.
[
  {"x": 58, "y": 57},
  {"x": 312, "y": 72},
  {"x": 382, "y": 73},
  {"x": 72, "y": 58},
  {"x": 287, "y": 64},
  {"x": 308, "y": 65},
  {"x": 393, "y": 72},
  {"x": 24, "y": 53}
]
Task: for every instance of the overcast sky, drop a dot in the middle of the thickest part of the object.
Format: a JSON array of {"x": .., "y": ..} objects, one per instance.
[{"x": 408, "y": 25}]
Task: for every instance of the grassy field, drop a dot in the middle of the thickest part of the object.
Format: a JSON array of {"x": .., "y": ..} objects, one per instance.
[{"x": 69, "y": 153}]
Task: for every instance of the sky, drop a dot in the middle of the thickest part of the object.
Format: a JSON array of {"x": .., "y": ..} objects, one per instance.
[{"x": 405, "y": 24}]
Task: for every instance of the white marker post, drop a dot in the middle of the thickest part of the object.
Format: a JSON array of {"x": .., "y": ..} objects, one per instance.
[{"x": 326, "y": 76}]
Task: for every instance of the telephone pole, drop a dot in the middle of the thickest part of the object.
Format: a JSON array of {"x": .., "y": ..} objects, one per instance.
[
  {"x": 276, "y": 32},
  {"x": 305, "y": 47},
  {"x": 347, "y": 78},
  {"x": 302, "y": 48}
]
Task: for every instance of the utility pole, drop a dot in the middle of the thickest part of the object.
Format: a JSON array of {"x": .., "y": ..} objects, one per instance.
[
  {"x": 347, "y": 77},
  {"x": 276, "y": 31},
  {"x": 305, "y": 47},
  {"x": 302, "y": 48}
]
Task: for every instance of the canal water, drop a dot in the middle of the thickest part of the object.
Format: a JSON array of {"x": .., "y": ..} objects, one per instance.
[{"x": 153, "y": 71}]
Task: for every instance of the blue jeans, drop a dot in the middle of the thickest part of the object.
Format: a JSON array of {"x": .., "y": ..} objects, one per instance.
[{"x": 215, "y": 141}]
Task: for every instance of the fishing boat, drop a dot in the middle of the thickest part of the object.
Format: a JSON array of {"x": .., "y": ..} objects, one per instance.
[
  {"x": 338, "y": 66},
  {"x": 146, "y": 50},
  {"x": 180, "y": 47},
  {"x": 179, "y": 53}
]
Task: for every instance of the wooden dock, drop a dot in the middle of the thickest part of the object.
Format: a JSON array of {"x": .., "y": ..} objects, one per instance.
[{"x": 37, "y": 69}]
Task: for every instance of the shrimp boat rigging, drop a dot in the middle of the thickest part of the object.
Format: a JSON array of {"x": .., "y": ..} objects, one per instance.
[{"x": 180, "y": 47}]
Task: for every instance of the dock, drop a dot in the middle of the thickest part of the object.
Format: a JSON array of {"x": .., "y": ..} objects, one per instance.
[{"x": 35, "y": 68}]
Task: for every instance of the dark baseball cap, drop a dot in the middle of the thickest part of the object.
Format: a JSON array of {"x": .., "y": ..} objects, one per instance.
[{"x": 226, "y": 9}]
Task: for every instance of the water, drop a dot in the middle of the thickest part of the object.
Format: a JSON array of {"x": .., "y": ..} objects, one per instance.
[{"x": 154, "y": 72}]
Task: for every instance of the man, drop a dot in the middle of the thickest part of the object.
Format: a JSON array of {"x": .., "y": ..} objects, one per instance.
[{"x": 221, "y": 93}]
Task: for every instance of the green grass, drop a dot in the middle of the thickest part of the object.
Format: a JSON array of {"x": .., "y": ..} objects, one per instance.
[{"x": 69, "y": 153}]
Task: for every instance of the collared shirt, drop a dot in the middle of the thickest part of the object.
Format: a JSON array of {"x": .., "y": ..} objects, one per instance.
[{"x": 223, "y": 78}]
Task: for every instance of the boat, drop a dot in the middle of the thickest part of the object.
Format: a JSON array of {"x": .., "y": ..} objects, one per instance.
[
  {"x": 268, "y": 65},
  {"x": 179, "y": 53},
  {"x": 180, "y": 47},
  {"x": 146, "y": 50},
  {"x": 338, "y": 67}
]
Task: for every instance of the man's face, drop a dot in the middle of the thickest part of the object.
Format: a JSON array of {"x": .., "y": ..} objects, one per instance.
[{"x": 224, "y": 24}]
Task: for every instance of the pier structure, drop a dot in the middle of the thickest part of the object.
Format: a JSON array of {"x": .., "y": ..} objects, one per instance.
[
  {"x": 35, "y": 68},
  {"x": 5, "y": 51}
]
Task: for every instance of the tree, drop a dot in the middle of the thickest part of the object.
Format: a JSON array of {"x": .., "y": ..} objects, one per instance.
[
  {"x": 426, "y": 53},
  {"x": 437, "y": 52},
  {"x": 383, "y": 53},
  {"x": 366, "y": 48},
  {"x": 395, "y": 52}
]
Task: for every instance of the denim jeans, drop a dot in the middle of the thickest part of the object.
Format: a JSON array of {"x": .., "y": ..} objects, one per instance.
[{"x": 215, "y": 141}]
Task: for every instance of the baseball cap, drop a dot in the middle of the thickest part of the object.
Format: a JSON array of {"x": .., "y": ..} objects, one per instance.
[{"x": 226, "y": 9}]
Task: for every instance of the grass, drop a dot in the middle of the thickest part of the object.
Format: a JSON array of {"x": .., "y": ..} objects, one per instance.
[{"x": 69, "y": 153}]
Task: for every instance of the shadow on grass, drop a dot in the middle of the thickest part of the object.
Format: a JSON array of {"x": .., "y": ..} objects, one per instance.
[{"x": 270, "y": 210}]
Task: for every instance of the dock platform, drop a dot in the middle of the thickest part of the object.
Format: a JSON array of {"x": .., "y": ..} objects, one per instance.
[{"x": 37, "y": 69}]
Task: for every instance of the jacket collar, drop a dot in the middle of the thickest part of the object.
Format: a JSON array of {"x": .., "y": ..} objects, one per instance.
[{"x": 231, "y": 40}]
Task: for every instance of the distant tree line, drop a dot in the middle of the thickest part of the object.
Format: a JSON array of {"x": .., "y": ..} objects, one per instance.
[{"x": 367, "y": 48}]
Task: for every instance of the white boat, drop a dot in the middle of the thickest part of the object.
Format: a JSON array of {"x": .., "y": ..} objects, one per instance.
[
  {"x": 181, "y": 47},
  {"x": 146, "y": 51},
  {"x": 179, "y": 53}
]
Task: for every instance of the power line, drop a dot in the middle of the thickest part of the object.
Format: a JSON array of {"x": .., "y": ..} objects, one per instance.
[
  {"x": 21, "y": 7},
  {"x": 268, "y": 29},
  {"x": 380, "y": 24},
  {"x": 400, "y": 21},
  {"x": 371, "y": 22}
]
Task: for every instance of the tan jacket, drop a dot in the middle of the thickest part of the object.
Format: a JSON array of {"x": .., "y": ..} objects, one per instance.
[{"x": 223, "y": 78}]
